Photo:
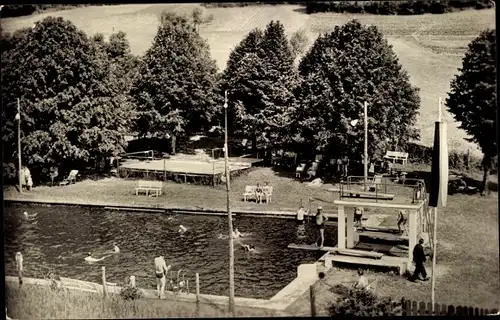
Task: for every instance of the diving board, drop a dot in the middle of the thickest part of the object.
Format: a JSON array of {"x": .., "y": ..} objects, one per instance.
[
  {"x": 359, "y": 253},
  {"x": 383, "y": 236},
  {"x": 366, "y": 194},
  {"x": 309, "y": 247}
]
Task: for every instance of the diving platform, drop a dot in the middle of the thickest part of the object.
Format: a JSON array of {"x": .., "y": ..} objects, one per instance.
[
  {"x": 384, "y": 261},
  {"x": 383, "y": 236},
  {"x": 309, "y": 247},
  {"x": 367, "y": 194}
]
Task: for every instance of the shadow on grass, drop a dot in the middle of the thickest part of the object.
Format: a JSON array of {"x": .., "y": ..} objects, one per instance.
[{"x": 302, "y": 10}]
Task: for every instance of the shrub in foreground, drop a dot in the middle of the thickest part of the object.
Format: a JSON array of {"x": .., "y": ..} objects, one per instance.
[{"x": 360, "y": 302}]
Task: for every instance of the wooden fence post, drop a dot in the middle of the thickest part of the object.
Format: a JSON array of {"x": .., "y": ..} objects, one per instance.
[
  {"x": 132, "y": 281},
  {"x": 197, "y": 293},
  {"x": 312, "y": 298},
  {"x": 104, "y": 287},
  {"x": 19, "y": 267}
]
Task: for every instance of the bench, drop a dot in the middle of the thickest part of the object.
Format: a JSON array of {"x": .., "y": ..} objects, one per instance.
[
  {"x": 147, "y": 186},
  {"x": 249, "y": 193},
  {"x": 397, "y": 156}
]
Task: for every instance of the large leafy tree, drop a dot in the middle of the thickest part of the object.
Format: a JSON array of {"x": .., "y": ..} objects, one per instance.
[
  {"x": 341, "y": 71},
  {"x": 260, "y": 77},
  {"x": 472, "y": 99},
  {"x": 70, "y": 106},
  {"x": 175, "y": 87},
  {"x": 123, "y": 68}
]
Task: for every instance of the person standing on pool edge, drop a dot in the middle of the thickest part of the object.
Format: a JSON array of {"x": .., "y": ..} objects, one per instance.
[
  {"x": 320, "y": 224},
  {"x": 161, "y": 270}
]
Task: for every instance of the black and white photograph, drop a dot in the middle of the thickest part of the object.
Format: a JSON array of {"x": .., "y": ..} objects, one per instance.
[{"x": 250, "y": 159}]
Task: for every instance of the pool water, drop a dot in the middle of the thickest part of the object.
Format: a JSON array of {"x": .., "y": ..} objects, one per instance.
[{"x": 58, "y": 238}]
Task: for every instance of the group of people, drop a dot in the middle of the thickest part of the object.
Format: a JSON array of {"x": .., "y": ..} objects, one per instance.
[
  {"x": 261, "y": 192},
  {"x": 319, "y": 223}
]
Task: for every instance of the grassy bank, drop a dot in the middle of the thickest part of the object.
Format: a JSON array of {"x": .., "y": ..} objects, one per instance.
[
  {"x": 430, "y": 47},
  {"x": 32, "y": 302},
  {"x": 467, "y": 271},
  {"x": 287, "y": 193}
]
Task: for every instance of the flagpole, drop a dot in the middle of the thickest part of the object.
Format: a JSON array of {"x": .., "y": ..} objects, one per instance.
[
  {"x": 366, "y": 145},
  {"x": 19, "y": 145},
  {"x": 434, "y": 240},
  {"x": 229, "y": 215}
]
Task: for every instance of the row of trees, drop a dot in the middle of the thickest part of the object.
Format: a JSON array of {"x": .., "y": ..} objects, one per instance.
[
  {"x": 81, "y": 95},
  {"x": 405, "y": 7}
]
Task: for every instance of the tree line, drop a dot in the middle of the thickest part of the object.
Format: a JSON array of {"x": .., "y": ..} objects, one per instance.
[
  {"x": 406, "y": 7},
  {"x": 81, "y": 95}
]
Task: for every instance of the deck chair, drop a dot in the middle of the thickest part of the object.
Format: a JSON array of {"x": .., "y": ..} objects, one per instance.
[
  {"x": 299, "y": 170},
  {"x": 376, "y": 181},
  {"x": 313, "y": 169},
  {"x": 70, "y": 179}
]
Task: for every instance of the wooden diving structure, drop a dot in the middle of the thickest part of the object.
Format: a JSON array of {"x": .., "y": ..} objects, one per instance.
[
  {"x": 367, "y": 194},
  {"x": 309, "y": 247},
  {"x": 383, "y": 236}
]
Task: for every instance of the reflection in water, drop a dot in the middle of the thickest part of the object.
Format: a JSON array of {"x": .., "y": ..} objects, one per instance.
[{"x": 59, "y": 238}]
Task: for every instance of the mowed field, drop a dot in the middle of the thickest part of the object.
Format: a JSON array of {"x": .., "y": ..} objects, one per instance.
[{"x": 430, "y": 47}]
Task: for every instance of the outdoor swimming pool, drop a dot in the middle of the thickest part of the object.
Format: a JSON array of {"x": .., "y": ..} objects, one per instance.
[{"x": 58, "y": 238}]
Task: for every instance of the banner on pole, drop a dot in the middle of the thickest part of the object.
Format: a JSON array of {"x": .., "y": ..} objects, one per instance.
[{"x": 439, "y": 174}]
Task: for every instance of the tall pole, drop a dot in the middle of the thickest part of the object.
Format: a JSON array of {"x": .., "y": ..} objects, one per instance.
[
  {"x": 229, "y": 217},
  {"x": 18, "y": 118},
  {"x": 434, "y": 240},
  {"x": 366, "y": 145}
]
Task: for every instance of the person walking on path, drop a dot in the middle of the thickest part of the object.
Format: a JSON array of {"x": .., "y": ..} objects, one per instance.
[{"x": 419, "y": 259}]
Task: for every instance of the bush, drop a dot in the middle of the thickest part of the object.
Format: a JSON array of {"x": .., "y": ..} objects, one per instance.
[
  {"x": 130, "y": 293},
  {"x": 360, "y": 302}
]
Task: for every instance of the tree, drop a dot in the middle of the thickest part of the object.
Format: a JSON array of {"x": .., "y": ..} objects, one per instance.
[
  {"x": 260, "y": 77},
  {"x": 70, "y": 106},
  {"x": 175, "y": 88},
  {"x": 472, "y": 99},
  {"x": 360, "y": 302},
  {"x": 199, "y": 17},
  {"x": 341, "y": 71},
  {"x": 299, "y": 42}
]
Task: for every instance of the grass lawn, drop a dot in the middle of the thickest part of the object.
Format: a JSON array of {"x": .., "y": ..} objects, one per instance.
[
  {"x": 467, "y": 271},
  {"x": 287, "y": 193},
  {"x": 32, "y": 302},
  {"x": 430, "y": 47}
]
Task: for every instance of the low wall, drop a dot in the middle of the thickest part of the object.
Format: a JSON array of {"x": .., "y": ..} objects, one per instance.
[
  {"x": 166, "y": 208},
  {"x": 306, "y": 276}
]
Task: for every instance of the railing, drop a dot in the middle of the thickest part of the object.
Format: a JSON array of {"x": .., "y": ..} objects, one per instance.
[{"x": 417, "y": 186}]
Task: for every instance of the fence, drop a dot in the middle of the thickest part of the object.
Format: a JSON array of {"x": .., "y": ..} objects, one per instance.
[
  {"x": 175, "y": 281},
  {"x": 414, "y": 308}
]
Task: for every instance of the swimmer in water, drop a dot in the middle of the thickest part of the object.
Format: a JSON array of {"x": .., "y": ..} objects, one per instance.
[
  {"x": 182, "y": 229},
  {"x": 28, "y": 216},
  {"x": 249, "y": 247},
  {"x": 89, "y": 258},
  {"x": 115, "y": 248},
  {"x": 237, "y": 234}
]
